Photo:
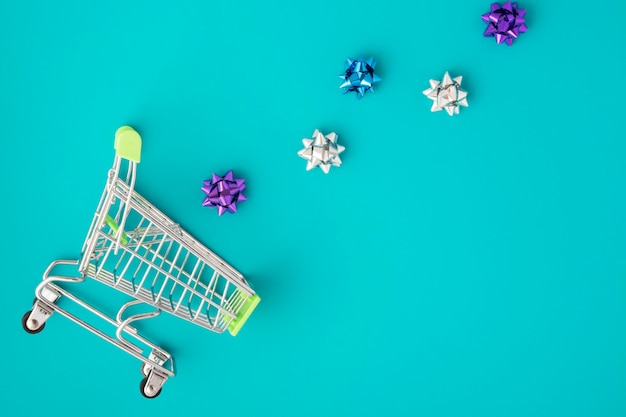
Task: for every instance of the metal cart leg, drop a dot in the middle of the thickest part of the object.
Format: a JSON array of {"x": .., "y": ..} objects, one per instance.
[{"x": 152, "y": 369}]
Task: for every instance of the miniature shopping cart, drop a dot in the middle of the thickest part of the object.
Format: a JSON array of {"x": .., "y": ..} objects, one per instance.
[{"x": 132, "y": 247}]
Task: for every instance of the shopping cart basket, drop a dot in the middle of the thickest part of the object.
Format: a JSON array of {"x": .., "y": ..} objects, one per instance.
[{"x": 132, "y": 247}]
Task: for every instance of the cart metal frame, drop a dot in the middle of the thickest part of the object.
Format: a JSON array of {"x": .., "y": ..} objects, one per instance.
[{"x": 134, "y": 248}]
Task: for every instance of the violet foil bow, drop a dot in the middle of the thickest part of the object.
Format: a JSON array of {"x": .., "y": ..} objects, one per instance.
[
  {"x": 505, "y": 22},
  {"x": 447, "y": 94},
  {"x": 321, "y": 151},
  {"x": 224, "y": 192},
  {"x": 359, "y": 76}
]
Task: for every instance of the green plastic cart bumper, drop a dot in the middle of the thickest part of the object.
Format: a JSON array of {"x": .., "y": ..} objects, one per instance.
[{"x": 246, "y": 310}]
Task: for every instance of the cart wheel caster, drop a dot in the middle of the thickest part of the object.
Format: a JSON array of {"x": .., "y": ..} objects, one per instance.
[
  {"x": 147, "y": 392},
  {"x": 144, "y": 369},
  {"x": 33, "y": 323}
]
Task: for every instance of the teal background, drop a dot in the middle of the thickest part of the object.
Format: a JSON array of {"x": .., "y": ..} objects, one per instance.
[{"x": 464, "y": 266}]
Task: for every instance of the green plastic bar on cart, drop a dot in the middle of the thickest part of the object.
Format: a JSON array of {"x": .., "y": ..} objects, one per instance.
[
  {"x": 128, "y": 144},
  {"x": 114, "y": 227},
  {"x": 246, "y": 310}
]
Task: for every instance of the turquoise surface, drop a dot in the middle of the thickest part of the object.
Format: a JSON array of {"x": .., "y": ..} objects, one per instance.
[{"x": 453, "y": 266}]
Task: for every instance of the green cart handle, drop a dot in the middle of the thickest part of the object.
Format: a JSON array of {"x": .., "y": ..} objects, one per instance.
[{"x": 128, "y": 144}]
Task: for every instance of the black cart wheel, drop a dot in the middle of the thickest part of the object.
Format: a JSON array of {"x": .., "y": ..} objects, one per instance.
[
  {"x": 142, "y": 388},
  {"x": 26, "y": 328}
]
